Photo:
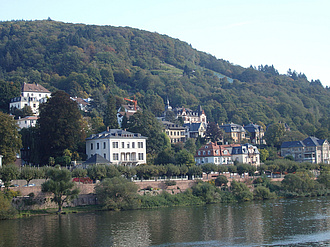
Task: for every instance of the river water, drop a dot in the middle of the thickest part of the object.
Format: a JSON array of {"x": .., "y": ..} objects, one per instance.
[{"x": 285, "y": 222}]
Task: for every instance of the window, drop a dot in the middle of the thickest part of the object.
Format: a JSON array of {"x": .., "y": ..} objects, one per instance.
[
  {"x": 91, "y": 146},
  {"x": 128, "y": 145},
  {"x": 97, "y": 145},
  {"x": 199, "y": 152},
  {"x": 115, "y": 156},
  {"x": 209, "y": 152},
  {"x": 140, "y": 156},
  {"x": 123, "y": 145},
  {"x": 115, "y": 144},
  {"x": 133, "y": 144},
  {"x": 140, "y": 144},
  {"x": 104, "y": 145},
  {"x": 105, "y": 156}
]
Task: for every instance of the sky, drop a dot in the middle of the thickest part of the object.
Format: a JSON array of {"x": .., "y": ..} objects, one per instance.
[{"x": 291, "y": 34}]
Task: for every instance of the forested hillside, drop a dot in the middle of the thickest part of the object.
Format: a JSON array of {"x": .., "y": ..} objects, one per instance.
[{"x": 93, "y": 61}]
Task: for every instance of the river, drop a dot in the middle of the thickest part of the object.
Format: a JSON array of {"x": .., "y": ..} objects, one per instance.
[{"x": 284, "y": 222}]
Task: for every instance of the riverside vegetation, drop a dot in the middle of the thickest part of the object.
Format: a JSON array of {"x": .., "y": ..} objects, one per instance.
[{"x": 115, "y": 191}]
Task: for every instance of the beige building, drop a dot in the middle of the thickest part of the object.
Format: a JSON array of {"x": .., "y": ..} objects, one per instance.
[
  {"x": 234, "y": 131},
  {"x": 311, "y": 150},
  {"x": 175, "y": 132}
]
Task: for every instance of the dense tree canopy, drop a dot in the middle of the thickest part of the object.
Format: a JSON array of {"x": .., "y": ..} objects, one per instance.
[
  {"x": 60, "y": 126},
  {"x": 11, "y": 142}
]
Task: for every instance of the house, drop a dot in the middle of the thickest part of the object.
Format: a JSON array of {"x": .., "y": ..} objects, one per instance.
[
  {"x": 311, "y": 150},
  {"x": 227, "y": 154},
  {"x": 213, "y": 153},
  {"x": 187, "y": 115},
  {"x": 195, "y": 129},
  {"x": 127, "y": 110},
  {"x": 118, "y": 146},
  {"x": 234, "y": 131},
  {"x": 83, "y": 104},
  {"x": 175, "y": 132},
  {"x": 190, "y": 116},
  {"x": 256, "y": 133},
  {"x": 31, "y": 95},
  {"x": 246, "y": 154},
  {"x": 27, "y": 122}
]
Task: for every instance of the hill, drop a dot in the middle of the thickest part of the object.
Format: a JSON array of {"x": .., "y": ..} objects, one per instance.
[{"x": 87, "y": 60}]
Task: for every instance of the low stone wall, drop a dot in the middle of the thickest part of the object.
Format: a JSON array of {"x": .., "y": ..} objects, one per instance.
[
  {"x": 87, "y": 195},
  {"x": 181, "y": 186}
]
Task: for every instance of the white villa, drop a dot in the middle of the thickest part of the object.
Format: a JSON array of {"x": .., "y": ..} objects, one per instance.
[
  {"x": 31, "y": 95},
  {"x": 118, "y": 146}
]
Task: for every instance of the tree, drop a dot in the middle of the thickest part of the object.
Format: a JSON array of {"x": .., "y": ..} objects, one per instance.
[
  {"x": 195, "y": 171},
  {"x": 62, "y": 187},
  {"x": 29, "y": 173},
  {"x": 241, "y": 191},
  {"x": 117, "y": 193},
  {"x": 221, "y": 180},
  {"x": 262, "y": 193},
  {"x": 97, "y": 172},
  {"x": 147, "y": 125},
  {"x": 8, "y": 173},
  {"x": 274, "y": 133},
  {"x": 7, "y": 211},
  {"x": 213, "y": 132},
  {"x": 11, "y": 142},
  {"x": 208, "y": 168},
  {"x": 184, "y": 157},
  {"x": 79, "y": 173},
  {"x": 60, "y": 126},
  {"x": 190, "y": 145},
  {"x": 110, "y": 118},
  {"x": 324, "y": 179},
  {"x": 264, "y": 154}
]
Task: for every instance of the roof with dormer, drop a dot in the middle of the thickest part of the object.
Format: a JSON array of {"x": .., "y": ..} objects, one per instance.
[
  {"x": 116, "y": 133},
  {"x": 253, "y": 128},
  {"x": 228, "y": 128},
  {"x": 37, "y": 88},
  {"x": 310, "y": 141}
]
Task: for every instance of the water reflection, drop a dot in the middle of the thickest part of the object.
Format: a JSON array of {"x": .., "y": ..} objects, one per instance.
[{"x": 275, "y": 223}]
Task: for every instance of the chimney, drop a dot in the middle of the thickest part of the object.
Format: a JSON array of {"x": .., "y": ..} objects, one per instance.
[{"x": 108, "y": 129}]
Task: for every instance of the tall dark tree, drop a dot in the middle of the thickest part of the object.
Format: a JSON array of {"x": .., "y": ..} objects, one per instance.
[
  {"x": 60, "y": 126},
  {"x": 147, "y": 125},
  {"x": 213, "y": 132},
  {"x": 10, "y": 139},
  {"x": 110, "y": 118}
]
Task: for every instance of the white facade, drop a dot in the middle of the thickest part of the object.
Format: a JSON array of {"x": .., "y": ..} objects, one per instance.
[
  {"x": 21, "y": 102},
  {"x": 31, "y": 95},
  {"x": 27, "y": 122},
  {"x": 118, "y": 146}
]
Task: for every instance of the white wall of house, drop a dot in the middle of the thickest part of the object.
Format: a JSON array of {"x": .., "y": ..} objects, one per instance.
[{"x": 118, "y": 150}]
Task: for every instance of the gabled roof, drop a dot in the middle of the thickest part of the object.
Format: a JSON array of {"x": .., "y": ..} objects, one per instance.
[
  {"x": 193, "y": 127},
  {"x": 312, "y": 141},
  {"x": 292, "y": 144},
  {"x": 34, "y": 88},
  {"x": 96, "y": 159},
  {"x": 253, "y": 127}
]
